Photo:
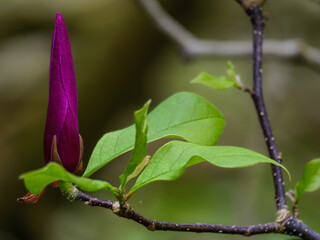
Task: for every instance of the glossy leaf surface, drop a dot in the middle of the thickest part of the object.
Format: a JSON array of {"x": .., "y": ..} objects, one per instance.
[
  {"x": 184, "y": 115},
  {"x": 218, "y": 83},
  {"x": 140, "y": 145},
  {"x": 310, "y": 180},
  {"x": 35, "y": 181},
  {"x": 170, "y": 161}
]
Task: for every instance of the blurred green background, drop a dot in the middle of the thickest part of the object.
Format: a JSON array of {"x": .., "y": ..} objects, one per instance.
[{"x": 121, "y": 61}]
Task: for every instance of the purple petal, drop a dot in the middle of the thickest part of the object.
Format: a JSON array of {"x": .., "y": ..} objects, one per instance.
[
  {"x": 66, "y": 63},
  {"x": 62, "y": 114},
  {"x": 68, "y": 143}
]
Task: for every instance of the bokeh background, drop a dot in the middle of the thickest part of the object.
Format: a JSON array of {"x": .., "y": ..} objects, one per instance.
[{"x": 121, "y": 60}]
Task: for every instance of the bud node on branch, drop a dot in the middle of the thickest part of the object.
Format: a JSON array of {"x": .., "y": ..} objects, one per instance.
[
  {"x": 282, "y": 215},
  {"x": 69, "y": 191}
]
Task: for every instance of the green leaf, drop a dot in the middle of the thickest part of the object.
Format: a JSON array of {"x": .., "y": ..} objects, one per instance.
[
  {"x": 170, "y": 161},
  {"x": 35, "y": 181},
  {"x": 183, "y": 115},
  {"x": 310, "y": 180},
  {"x": 231, "y": 72},
  {"x": 139, "y": 168},
  {"x": 218, "y": 83},
  {"x": 140, "y": 145}
]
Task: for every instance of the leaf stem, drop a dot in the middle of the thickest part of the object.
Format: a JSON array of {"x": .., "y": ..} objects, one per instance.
[{"x": 291, "y": 195}]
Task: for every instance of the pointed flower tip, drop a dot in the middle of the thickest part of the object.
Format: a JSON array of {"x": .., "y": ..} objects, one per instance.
[{"x": 59, "y": 18}]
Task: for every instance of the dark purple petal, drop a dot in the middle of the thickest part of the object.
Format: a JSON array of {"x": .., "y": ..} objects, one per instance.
[
  {"x": 62, "y": 114},
  {"x": 69, "y": 144}
]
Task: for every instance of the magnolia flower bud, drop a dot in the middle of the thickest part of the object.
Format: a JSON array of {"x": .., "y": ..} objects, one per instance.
[{"x": 62, "y": 142}]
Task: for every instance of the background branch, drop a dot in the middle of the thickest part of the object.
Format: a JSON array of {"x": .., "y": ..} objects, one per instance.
[
  {"x": 191, "y": 47},
  {"x": 318, "y": 1}
]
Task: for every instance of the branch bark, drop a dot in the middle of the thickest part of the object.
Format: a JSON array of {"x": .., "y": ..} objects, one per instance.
[
  {"x": 256, "y": 16},
  {"x": 291, "y": 226},
  {"x": 126, "y": 211},
  {"x": 191, "y": 47}
]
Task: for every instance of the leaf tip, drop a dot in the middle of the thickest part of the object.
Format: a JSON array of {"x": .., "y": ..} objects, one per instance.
[
  {"x": 230, "y": 65},
  {"x": 199, "y": 77}
]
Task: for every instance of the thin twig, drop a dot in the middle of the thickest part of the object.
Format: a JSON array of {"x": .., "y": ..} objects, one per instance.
[
  {"x": 291, "y": 195},
  {"x": 256, "y": 17},
  {"x": 126, "y": 211},
  {"x": 291, "y": 226},
  {"x": 295, "y": 227},
  {"x": 191, "y": 47}
]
